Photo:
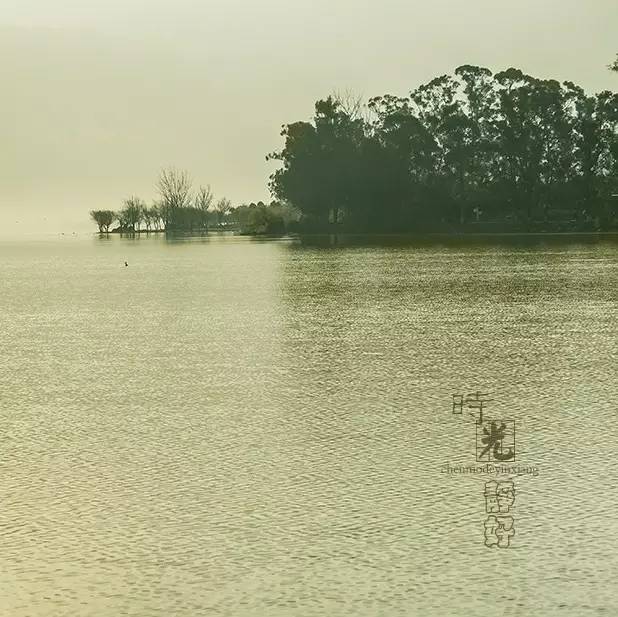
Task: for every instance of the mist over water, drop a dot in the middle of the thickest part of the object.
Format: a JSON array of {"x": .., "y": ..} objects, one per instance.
[{"x": 234, "y": 426}]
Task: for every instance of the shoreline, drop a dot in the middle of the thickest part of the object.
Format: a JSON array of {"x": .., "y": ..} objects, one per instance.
[{"x": 460, "y": 234}]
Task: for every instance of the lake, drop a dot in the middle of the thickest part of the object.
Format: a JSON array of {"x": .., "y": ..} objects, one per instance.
[{"x": 247, "y": 427}]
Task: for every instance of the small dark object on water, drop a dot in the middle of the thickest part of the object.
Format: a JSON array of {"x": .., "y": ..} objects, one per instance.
[{"x": 126, "y": 264}]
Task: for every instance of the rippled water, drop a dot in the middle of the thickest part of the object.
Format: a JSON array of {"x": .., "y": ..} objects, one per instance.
[{"x": 245, "y": 428}]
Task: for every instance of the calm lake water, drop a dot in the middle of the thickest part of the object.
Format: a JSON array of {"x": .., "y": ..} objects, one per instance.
[{"x": 242, "y": 427}]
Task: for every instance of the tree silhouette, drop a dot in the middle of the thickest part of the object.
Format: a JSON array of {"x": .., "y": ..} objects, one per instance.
[
  {"x": 174, "y": 186},
  {"x": 203, "y": 202},
  {"x": 462, "y": 150},
  {"x": 103, "y": 218}
]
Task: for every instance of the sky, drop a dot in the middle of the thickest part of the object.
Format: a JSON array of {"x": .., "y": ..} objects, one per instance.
[{"x": 97, "y": 96}]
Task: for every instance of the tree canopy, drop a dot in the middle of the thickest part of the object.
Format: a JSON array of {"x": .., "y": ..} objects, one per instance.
[{"x": 472, "y": 147}]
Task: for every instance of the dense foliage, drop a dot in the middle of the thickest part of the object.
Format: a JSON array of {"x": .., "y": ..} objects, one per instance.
[{"x": 471, "y": 150}]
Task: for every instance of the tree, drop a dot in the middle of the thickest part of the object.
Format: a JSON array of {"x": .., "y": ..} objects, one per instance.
[
  {"x": 517, "y": 148},
  {"x": 399, "y": 158},
  {"x": 175, "y": 189},
  {"x": 595, "y": 129},
  {"x": 322, "y": 162},
  {"x": 614, "y": 65},
  {"x": 222, "y": 208},
  {"x": 204, "y": 199},
  {"x": 275, "y": 218},
  {"x": 155, "y": 214},
  {"x": 161, "y": 214},
  {"x": 144, "y": 216},
  {"x": 131, "y": 215},
  {"x": 103, "y": 218}
]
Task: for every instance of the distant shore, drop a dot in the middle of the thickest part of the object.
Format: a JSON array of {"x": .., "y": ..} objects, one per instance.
[{"x": 441, "y": 234}]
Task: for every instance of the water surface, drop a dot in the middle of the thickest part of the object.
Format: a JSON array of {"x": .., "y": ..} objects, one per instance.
[{"x": 244, "y": 427}]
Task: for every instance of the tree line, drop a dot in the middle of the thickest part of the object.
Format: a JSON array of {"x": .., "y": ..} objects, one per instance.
[
  {"x": 180, "y": 209},
  {"x": 472, "y": 150},
  {"x": 177, "y": 209}
]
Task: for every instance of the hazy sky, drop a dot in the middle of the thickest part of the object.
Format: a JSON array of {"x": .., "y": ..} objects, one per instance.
[{"x": 97, "y": 96}]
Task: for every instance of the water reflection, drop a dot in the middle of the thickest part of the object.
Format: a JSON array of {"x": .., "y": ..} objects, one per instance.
[{"x": 462, "y": 240}]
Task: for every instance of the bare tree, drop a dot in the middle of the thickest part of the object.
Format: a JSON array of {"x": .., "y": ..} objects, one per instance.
[
  {"x": 146, "y": 216},
  {"x": 120, "y": 217},
  {"x": 103, "y": 218},
  {"x": 160, "y": 214},
  {"x": 131, "y": 214},
  {"x": 175, "y": 189},
  {"x": 351, "y": 104},
  {"x": 222, "y": 208},
  {"x": 204, "y": 198},
  {"x": 203, "y": 202},
  {"x": 155, "y": 215}
]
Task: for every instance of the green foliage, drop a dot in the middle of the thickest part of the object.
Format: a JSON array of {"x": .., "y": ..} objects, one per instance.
[
  {"x": 274, "y": 219},
  {"x": 507, "y": 148}
]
